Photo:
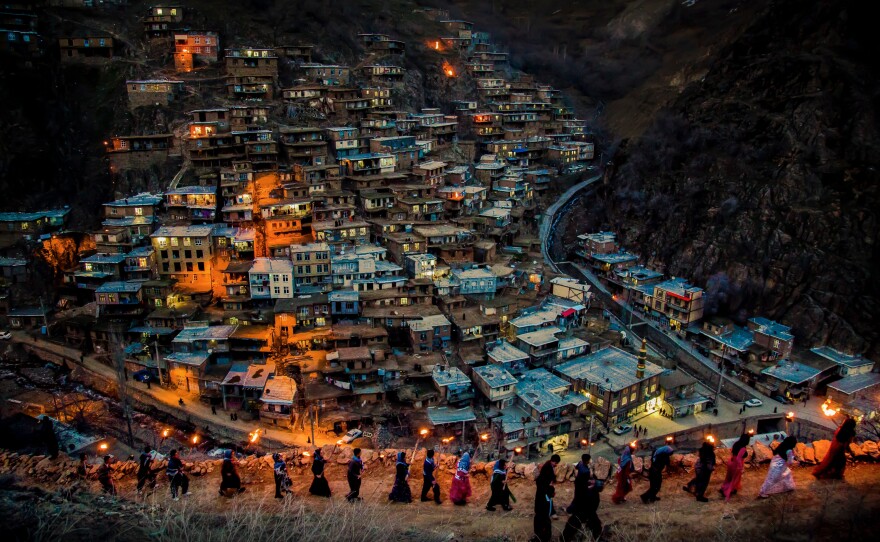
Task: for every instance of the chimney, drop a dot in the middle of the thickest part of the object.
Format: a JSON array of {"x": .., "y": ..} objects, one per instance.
[{"x": 643, "y": 356}]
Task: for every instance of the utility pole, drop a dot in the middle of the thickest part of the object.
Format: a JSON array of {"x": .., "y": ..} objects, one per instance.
[
  {"x": 122, "y": 383},
  {"x": 720, "y": 374},
  {"x": 590, "y": 437}
]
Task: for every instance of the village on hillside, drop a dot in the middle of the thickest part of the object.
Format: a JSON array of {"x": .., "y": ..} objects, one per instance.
[{"x": 324, "y": 260}]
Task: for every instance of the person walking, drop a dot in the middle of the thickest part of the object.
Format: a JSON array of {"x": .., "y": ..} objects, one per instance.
[
  {"x": 584, "y": 514},
  {"x": 213, "y": 409},
  {"x": 581, "y": 481},
  {"x": 179, "y": 480},
  {"x": 704, "y": 467},
  {"x": 624, "y": 473},
  {"x": 105, "y": 476},
  {"x": 779, "y": 478},
  {"x": 543, "y": 511},
  {"x": 400, "y": 491},
  {"x": 282, "y": 479},
  {"x": 355, "y": 471},
  {"x": 229, "y": 478},
  {"x": 735, "y": 466},
  {"x": 659, "y": 461},
  {"x": 833, "y": 464},
  {"x": 546, "y": 478},
  {"x": 429, "y": 482},
  {"x": 319, "y": 487},
  {"x": 500, "y": 491},
  {"x": 145, "y": 470},
  {"x": 461, "y": 490}
]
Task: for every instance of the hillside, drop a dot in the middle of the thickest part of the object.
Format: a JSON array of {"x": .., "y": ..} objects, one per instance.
[
  {"x": 759, "y": 181},
  {"x": 52, "y": 506}
]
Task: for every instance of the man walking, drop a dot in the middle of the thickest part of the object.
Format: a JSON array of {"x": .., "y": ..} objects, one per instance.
[
  {"x": 145, "y": 473},
  {"x": 105, "y": 476},
  {"x": 355, "y": 470},
  {"x": 546, "y": 479},
  {"x": 659, "y": 461},
  {"x": 429, "y": 482}
]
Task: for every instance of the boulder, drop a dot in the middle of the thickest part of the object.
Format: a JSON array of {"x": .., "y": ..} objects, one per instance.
[
  {"x": 489, "y": 468},
  {"x": 638, "y": 464},
  {"x": 821, "y": 447},
  {"x": 519, "y": 469},
  {"x": 531, "y": 471},
  {"x": 856, "y": 451},
  {"x": 327, "y": 450},
  {"x": 646, "y": 462},
  {"x": 368, "y": 455},
  {"x": 870, "y": 448},
  {"x": 675, "y": 460},
  {"x": 601, "y": 466},
  {"x": 562, "y": 472},
  {"x": 267, "y": 459},
  {"x": 809, "y": 454},
  {"x": 688, "y": 461},
  {"x": 799, "y": 451},
  {"x": 722, "y": 455},
  {"x": 762, "y": 453}
]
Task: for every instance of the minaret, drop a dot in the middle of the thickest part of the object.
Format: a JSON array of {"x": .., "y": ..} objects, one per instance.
[{"x": 643, "y": 356}]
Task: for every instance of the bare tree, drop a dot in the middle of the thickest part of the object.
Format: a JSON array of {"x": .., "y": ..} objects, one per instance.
[{"x": 118, "y": 354}]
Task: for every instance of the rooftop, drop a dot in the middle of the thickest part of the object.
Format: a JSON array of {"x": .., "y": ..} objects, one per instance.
[
  {"x": 142, "y": 199},
  {"x": 271, "y": 265},
  {"x": 504, "y": 352},
  {"x": 536, "y": 389},
  {"x": 446, "y": 415},
  {"x": 205, "y": 333},
  {"x": 119, "y": 287},
  {"x": 841, "y": 358},
  {"x": 610, "y": 368},
  {"x": 541, "y": 336},
  {"x": 615, "y": 257},
  {"x": 279, "y": 390},
  {"x": 854, "y": 383},
  {"x": 448, "y": 375},
  {"x": 739, "y": 339},
  {"x": 771, "y": 328},
  {"x": 494, "y": 376},
  {"x": 429, "y": 322},
  {"x": 791, "y": 371},
  {"x": 192, "y": 230}
]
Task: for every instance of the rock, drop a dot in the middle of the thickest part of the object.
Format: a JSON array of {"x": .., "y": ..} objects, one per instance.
[
  {"x": 809, "y": 454},
  {"x": 688, "y": 461},
  {"x": 561, "y": 472},
  {"x": 722, "y": 456},
  {"x": 327, "y": 450},
  {"x": 762, "y": 453},
  {"x": 601, "y": 466},
  {"x": 870, "y": 448},
  {"x": 821, "y": 447},
  {"x": 519, "y": 469},
  {"x": 856, "y": 451},
  {"x": 44, "y": 465},
  {"x": 799, "y": 451},
  {"x": 267, "y": 459},
  {"x": 531, "y": 471},
  {"x": 675, "y": 460},
  {"x": 638, "y": 464},
  {"x": 646, "y": 462},
  {"x": 368, "y": 455}
]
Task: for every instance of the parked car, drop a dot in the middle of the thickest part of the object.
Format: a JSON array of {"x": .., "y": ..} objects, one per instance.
[
  {"x": 145, "y": 375},
  {"x": 622, "y": 429},
  {"x": 754, "y": 403},
  {"x": 351, "y": 435},
  {"x": 5, "y": 335},
  {"x": 781, "y": 399}
]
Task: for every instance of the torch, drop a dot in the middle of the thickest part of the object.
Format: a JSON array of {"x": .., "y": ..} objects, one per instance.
[
  {"x": 252, "y": 437},
  {"x": 829, "y": 411},
  {"x": 789, "y": 417},
  {"x": 195, "y": 442}
]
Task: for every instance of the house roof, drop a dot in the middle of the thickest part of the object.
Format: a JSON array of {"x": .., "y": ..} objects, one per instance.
[
  {"x": 791, "y": 371},
  {"x": 192, "y": 230},
  {"x": 193, "y": 359},
  {"x": 271, "y": 265},
  {"x": 771, "y": 328},
  {"x": 610, "y": 368},
  {"x": 119, "y": 287},
  {"x": 429, "y": 322},
  {"x": 279, "y": 390},
  {"x": 504, "y": 352},
  {"x": 540, "y": 337},
  {"x": 494, "y": 376},
  {"x": 841, "y": 358},
  {"x": 535, "y": 388},
  {"x": 534, "y": 318},
  {"x": 855, "y": 383},
  {"x": 739, "y": 339},
  {"x": 205, "y": 333},
  {"x": 446, "y": 415},
  {"x": 448, "y": 375}
]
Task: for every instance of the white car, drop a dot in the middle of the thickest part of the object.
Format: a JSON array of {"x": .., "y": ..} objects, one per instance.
[
  {"x": 622, "y": 429},
  {"x": 754, "y": 403},
  {"x": 351, "y": 435},
  {"x": 5, "y": 335}
]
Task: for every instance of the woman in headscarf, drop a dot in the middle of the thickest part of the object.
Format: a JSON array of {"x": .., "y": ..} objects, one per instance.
[
  {"x": 735, "y": 465},
  {"x": 282, "y": 480},
  {"x": 624, "y": 472},
  {"x": 834, "y": 462},
  {"x": 461, "y": 491},
  {"x": 400, "y": 491},
  {"x": 229, "y": 478},
  {"x": 319, "y": 487},
  {"x": 704, "y": 467},
  {"x": 500, "y": 492},
  {"x": 779, "y": 478}
]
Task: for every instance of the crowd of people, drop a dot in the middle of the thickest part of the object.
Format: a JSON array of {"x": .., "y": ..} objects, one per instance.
[{"x": 582, "y": 510}]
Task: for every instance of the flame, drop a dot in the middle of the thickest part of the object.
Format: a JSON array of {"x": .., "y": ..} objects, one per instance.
[
  {"x": 195, "y": 439},
  {"x": 339, "y": 442},
  {"x": 789, "y": 416},
  {"x": 423, "y": 432},
  {"x": 255, "y": 435},
  {"x": 448, "y": 70},
  {"x": 306, "y": 454},
  {"x": 828, "y": 410},
  {"x": 710, "y": 438},
  {"x": 165, "y": 433},
  {"x": 518, "y": 450},
  {"x": 103, "y": 446},
  {"x": 633, "y": 444},
  {"x": 484, "y": 437},
  {"x": 669, "y": 438},
  {"x": 584, "y": 442},
  {"x": 437, "y": 45},
  {"x": 751, "y": 431}
]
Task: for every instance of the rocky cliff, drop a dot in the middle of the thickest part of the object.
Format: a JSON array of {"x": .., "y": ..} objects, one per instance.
[{"x": 760, "y": 181}]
